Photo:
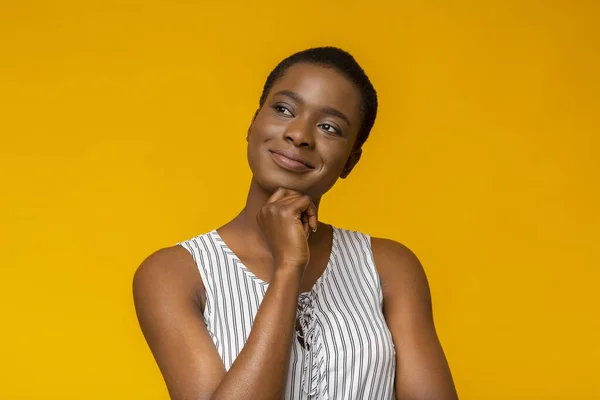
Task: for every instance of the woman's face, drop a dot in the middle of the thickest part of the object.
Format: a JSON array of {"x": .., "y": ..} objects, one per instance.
[{"x": 303, "y": 136}]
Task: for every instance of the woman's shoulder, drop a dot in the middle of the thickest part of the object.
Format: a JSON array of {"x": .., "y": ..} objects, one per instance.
[
  {"x": 195, "y": 240},
  {"x": 394, "y": 261},
  {"x": 169, "y": 274},
  {"x": 392, "y": 250},
  {"x": 350, "y": 232},
  {"x": 400, "y": 270},
  {"x": 175, "y": 258},
  {"x": 382, "y": 245},
  {"x": 171, "y": 270}
]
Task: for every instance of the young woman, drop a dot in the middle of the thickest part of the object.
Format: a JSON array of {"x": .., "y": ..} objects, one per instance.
[{"x": 277, "y": 304}]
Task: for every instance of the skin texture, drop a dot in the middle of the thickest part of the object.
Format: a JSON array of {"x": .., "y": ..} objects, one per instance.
[{"x": 313, "y": 112}]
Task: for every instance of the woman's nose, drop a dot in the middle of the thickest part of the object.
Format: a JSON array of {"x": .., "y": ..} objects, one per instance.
[{"x": 300, "y": 134}]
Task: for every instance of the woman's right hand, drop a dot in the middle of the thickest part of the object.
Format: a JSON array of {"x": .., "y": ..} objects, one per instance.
[{"x": 286, "y": 221}]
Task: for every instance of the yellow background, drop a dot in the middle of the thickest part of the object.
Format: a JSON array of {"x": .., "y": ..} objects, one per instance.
[{"x": 122, "y": 131}]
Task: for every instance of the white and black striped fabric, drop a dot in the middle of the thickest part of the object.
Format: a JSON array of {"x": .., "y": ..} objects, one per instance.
[{"x": 344, "y": 349}]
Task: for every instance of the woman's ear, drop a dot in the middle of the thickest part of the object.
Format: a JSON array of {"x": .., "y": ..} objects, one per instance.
[
  {"x": 251, "y": 124},
  {"x": 352, "y": 160}
]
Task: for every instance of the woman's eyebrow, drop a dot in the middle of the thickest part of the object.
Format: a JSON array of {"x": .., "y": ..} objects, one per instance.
[
  {"x": 335, "y": 113},
  {"x": 325, "y": 109},
  {"x": 293, "y": 95}
]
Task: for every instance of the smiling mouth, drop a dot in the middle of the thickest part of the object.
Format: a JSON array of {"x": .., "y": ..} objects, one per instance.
[{"x": 285, "y": 161}]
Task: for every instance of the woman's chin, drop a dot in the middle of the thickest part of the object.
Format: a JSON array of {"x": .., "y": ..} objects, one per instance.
[{"x": 272, "y": 183}]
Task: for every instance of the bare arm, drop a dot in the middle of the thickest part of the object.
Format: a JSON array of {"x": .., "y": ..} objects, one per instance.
[
  {"x": 166, "y": 293},
  {"x": 260, "y": 370},
  {"x": 422, "y": 372}
]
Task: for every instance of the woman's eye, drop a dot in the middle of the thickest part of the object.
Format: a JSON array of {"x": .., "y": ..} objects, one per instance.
[
  {"x": 283, "y": 110},
  {"x": 330, "y": 129}
]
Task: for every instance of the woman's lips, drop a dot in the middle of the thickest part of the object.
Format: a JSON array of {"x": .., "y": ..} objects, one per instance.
[{"x": 285, "y": 161}]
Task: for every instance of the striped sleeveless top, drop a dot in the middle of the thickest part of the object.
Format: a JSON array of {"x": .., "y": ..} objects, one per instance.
[{"x": 348, "y": 351}]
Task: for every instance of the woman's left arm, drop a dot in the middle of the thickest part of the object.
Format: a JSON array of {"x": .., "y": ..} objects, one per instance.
[{"x": 422, "y": 371}]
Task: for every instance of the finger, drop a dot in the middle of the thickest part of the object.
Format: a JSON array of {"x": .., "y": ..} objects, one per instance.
[
  {"x": 312, "y": 217},
  {"x": 305, "y": 224},
  {"x": 281, "y": 193},
  {"x": 304, "y": 206}
]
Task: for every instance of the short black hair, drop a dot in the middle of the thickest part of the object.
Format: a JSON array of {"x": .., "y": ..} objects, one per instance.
[{"x": 343, "y": 62}]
